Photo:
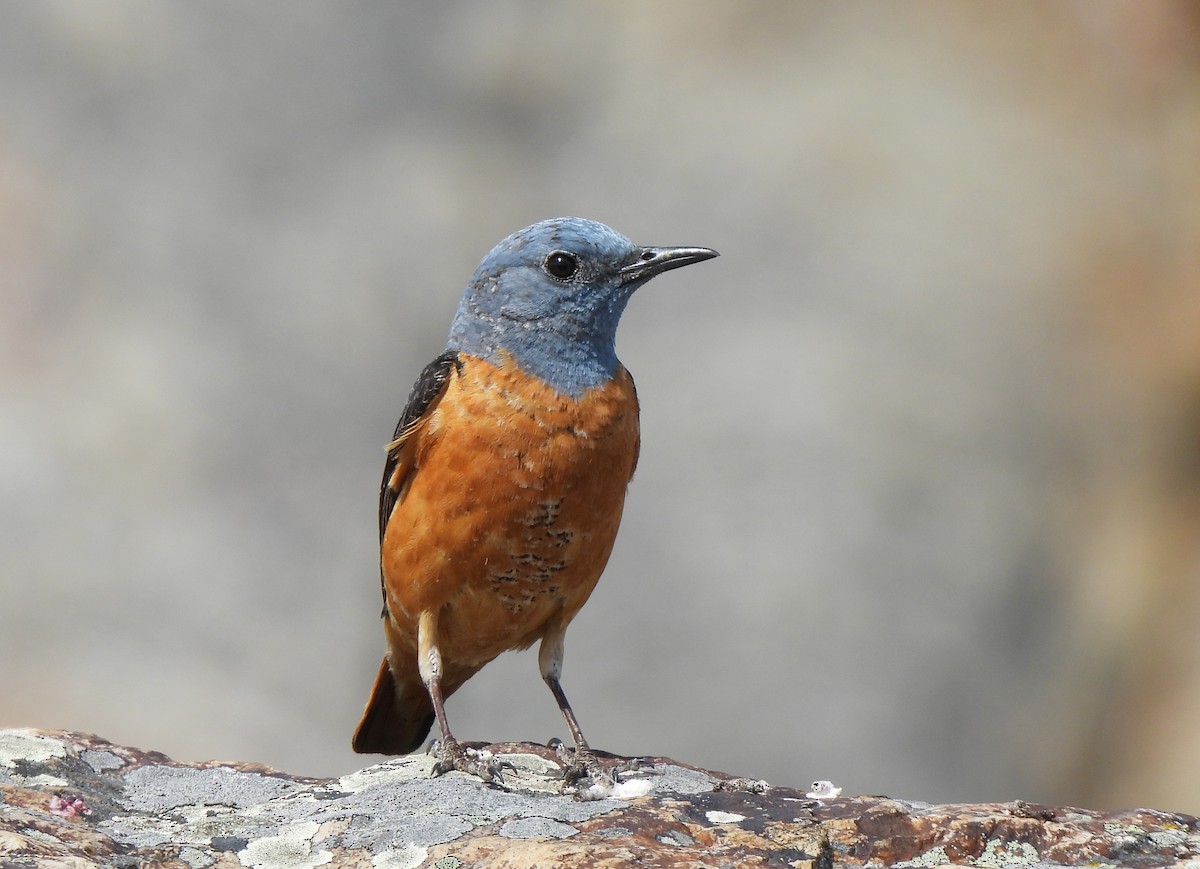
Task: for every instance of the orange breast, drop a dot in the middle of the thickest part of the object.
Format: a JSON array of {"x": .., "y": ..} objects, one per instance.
[{"x": 511, "y": 506}]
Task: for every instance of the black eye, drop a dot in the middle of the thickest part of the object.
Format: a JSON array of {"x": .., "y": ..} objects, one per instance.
[{"x": 561, "y": 265}]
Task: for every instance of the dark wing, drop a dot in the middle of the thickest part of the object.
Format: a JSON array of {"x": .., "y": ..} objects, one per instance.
[{"x": 424, "y": 396}]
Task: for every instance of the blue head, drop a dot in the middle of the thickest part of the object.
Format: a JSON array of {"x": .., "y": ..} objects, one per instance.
[{"x": 551, "y": 295}]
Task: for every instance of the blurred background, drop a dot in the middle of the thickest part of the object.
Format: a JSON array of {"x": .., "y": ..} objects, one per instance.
[{"x": 918, "y": 509}]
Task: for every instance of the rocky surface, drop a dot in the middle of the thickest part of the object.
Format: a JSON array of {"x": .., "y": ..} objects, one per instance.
[{"x": 74, "y": 800}]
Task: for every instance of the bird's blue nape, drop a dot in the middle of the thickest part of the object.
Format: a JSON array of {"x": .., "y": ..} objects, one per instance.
[{"x": 550, "y": 296}]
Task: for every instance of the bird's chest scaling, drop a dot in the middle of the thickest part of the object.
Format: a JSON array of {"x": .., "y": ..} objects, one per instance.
[{"x": 515, "y": 495}]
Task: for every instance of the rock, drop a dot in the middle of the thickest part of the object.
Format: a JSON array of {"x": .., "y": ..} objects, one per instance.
[{"x": 75, "y": 800}]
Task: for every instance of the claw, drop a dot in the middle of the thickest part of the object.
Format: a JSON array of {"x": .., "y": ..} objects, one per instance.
[
  {"x": 589, "y": 778},
  {"x": 629, "y": 765},
  {"x": 478, "y": 762},
  {"x": 745, "y": 785},
  {"x": 561, "y": 750}
]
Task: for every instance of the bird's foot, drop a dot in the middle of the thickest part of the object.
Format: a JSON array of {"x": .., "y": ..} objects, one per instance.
[
  {"x": 590, "y": 778},
  {"x": 478, "y": 762},
  {"x": 750, "y": 785}
]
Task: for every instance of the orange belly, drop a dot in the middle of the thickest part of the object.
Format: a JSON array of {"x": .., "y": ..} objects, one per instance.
[{"x": 508, "y": 509}]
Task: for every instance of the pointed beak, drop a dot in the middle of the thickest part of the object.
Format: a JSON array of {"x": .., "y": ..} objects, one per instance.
[{"x": 653, "y": 261}]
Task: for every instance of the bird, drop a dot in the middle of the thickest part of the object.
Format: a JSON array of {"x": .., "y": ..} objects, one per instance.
[{"x": 505, "y": 480}]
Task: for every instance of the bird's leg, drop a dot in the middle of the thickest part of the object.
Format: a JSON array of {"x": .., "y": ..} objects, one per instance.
[
  {"x": 450, "y": 755},
  {"x": 582, "y": 763}
]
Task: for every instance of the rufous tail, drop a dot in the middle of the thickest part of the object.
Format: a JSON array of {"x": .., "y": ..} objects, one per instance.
[{"x": 398, "y": 715}]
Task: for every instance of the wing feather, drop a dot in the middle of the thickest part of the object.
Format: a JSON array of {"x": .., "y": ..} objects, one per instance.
[{"x": 426, "y": 392}]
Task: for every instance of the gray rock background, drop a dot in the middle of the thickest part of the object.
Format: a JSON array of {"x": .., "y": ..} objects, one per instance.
[
  {"x": 75, "y": 800},
  {"x": 917, "y": 500}
]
